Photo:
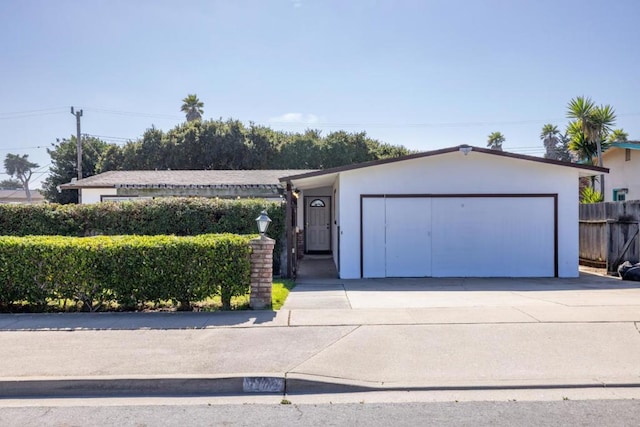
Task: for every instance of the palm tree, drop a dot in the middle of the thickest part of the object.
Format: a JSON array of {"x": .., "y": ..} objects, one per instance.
[
  {"x": 192, "y": 107},
  {"x": 550, "y": 139},
  {"x": 595, "y": 123},
  {"x": 579, "y": 145},
  {"x": 20, "y": 167},
  {"x": 495, "y": 141},
  {"x": 618, "y": 135}
]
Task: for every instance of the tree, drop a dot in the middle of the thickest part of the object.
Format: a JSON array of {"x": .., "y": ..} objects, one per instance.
[
  {"x": 64, "y": 166},
  {"x": 10, "y": 184},
  {"x": 618, "y": 135},
  {"x": 192, "y": 107},
  {"x": 20, "y": 167},
  {"x": 594, "y": 122},
  {"x": 495, "y": 141},
  {"x": 555, "y": 144}
]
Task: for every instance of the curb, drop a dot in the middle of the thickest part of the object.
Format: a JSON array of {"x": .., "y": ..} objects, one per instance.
[{"x": 292, "y": 384}]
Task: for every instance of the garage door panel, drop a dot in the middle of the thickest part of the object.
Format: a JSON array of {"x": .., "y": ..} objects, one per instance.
[
  {"x": 408, "y": 237},
  {"x": 492, "y": 237},
  {"x": 373, "y": 237},
  {"x": 462, "y": 236}
]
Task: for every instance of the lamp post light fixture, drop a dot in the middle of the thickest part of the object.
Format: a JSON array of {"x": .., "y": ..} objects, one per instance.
[{"x": 263, "y": 222}]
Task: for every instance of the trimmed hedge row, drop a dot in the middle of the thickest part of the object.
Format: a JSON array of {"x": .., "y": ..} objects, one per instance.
[
  {"x": 179, "y": 216},
  {"x": 128, "y": 270}
]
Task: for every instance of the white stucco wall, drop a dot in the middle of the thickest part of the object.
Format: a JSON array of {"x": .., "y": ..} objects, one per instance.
[
  {"x": 455, "y": 173},
  {"x": 622, "y": 173},
  {"x": 92, "y": 195}
]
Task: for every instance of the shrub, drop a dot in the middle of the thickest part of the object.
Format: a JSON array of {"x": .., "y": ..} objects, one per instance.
[
  {"x": 178, "y": 216},
  {"x": 129, "y": 270}
]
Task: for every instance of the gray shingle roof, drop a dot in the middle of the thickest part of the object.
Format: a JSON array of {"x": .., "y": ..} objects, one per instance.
[{"x": 180, "y": 178}]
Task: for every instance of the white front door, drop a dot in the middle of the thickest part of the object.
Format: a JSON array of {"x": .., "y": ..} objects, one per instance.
[{"x": 318, "y": 224}]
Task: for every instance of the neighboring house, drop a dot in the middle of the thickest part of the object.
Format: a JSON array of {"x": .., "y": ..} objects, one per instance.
[
  {"x": 457, "y": 212},
  {"x": 18, "y": 195},
  {"x": 131, "y": 185},
  {"x": 623, "y": 181}
]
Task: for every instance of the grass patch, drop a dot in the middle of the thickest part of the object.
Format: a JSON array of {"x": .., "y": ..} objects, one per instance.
[{"x": 280, "y": 291}]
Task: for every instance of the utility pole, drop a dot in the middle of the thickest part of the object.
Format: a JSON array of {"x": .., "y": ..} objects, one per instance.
[{"x": 78, "y": 114}]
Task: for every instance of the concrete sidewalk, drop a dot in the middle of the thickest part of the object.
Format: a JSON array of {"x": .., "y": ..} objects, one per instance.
[
  {"x": 475, "y": 334},
  {"x": 318, "y": 359}
]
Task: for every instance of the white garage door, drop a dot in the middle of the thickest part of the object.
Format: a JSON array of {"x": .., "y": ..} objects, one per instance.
[{"x": 458, "y": 237}]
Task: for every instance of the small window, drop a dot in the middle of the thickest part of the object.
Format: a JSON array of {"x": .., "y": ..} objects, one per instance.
[
  {"x": 627, "y": 154},
  {"x": 620, "y": 194},
  {"x": 317, "y": 203}
]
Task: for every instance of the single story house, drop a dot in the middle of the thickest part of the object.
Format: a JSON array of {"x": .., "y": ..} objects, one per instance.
[
  {"x": 623, "y": 181},
  {"x": 456, "y": 212},
  {"x": 130, "y": 185},
  {"x": 19, "y": 196}
]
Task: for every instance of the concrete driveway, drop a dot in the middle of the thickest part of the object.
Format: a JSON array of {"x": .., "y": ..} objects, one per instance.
[{"x": 589, "y": 290}]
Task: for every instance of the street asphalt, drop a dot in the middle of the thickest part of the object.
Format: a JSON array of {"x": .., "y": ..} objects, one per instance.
[{"x": 342, "y": 336}]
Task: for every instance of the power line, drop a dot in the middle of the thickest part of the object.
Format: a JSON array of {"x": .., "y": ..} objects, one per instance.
[
  {"x": 109, "y": 137},
  {"x": 23, "y": 148},
  {"x": 133, "y": 113},
  {"x": 33, "y": 111}
]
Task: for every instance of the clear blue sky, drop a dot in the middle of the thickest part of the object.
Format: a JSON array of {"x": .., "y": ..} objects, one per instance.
[{"x": 425, "y": 74}]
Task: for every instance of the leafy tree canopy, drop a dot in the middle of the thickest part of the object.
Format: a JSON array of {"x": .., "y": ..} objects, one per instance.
[
  {"x": 64, "y": 166},
  {"x": 229, "y": 144},
  {"x": 10, "y": 184},
  {"x": 20, "y": 167}
]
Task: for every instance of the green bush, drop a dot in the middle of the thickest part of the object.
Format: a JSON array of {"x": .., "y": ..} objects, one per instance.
[
  {"x": 178, "y": 216},
  {"x": 128, "y": 270}
]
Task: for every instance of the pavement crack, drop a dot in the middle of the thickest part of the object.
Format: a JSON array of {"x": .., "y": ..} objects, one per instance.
[
  {"x": 527, "y": 314},
  {"x": 300, "y": 414},
  {"x": 322, "y": 349},
  {"x": 520, "y": 294},
  {"x": 636, "y": 326},
  {"x": 346, "y": 295}
]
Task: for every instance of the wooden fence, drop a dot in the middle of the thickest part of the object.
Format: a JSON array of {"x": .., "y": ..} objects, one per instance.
[{"x": 609, "y": 234}]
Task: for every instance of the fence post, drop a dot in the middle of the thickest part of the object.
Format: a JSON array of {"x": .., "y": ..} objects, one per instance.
[{"x": 261, "y": 272}]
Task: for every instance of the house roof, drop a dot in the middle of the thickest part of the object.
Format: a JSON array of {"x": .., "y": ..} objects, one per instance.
[
  {"x": 586, "y": 170},
  {"x": 631, "y": 145},
  {"x": 18, "y": 195},
  {"x": 183, "y": 178}
]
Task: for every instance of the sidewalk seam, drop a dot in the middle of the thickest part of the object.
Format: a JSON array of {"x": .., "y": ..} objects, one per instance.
[
  {"x": 520, "y": 294},
  {"x": 321, "y": 350},
  {"x": 527, "y": 314}
]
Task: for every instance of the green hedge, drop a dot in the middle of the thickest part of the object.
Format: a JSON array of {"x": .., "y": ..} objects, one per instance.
[
  {"x": 178, "y": 216},
  {"x": 128, "y": 270}
]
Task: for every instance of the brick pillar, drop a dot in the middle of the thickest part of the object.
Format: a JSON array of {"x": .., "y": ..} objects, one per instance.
[{"x": 261, "y": 272}]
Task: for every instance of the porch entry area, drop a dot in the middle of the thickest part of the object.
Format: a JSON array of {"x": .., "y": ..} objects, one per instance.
[{"x": 317, "y": 211}]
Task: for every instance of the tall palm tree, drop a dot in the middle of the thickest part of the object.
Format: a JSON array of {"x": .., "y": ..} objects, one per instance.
[
  {"x": 20, "y": 167},
  {"x": 618, "y": 135},
  {"x": 495, "y": 140},
  {"x": 550, "y": 136},
  {"x": 595, "y": 123},
  {"x": 192, "y": 107}
]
